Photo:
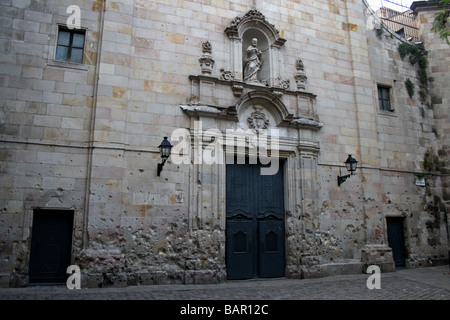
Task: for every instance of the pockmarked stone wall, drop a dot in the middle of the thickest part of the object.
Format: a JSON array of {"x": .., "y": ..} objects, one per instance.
[
  {"x": 46, "y": 107},
  {"x": 408, "y": 142},
  {"x": 438, "y": 100},
  {"x": 438, "y": 73}
]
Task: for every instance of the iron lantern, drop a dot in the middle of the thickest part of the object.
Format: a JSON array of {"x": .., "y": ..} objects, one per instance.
[
  {"x": 164, "y": 149},
  {"x": 351, "y": 164}
]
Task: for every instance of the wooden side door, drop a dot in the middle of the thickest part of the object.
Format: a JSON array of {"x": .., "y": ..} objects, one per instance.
[
  {"x": 396, "y": 240},
  {"x": 51, "y": 246}
]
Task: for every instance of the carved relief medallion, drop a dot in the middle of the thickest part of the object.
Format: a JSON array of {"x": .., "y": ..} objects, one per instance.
[{"x": 258, "y": 120}]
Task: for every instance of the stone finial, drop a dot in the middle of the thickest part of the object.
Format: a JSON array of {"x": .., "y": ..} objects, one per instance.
[
  {"x": 299, "y": 65},
  {"x": 206, "y": 60},
  {"x": 206, "y": 46},
  {"x": 299, "y": 75}
]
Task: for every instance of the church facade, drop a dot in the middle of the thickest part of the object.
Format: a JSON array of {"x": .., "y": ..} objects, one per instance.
[{"x": 263, "y": 104}]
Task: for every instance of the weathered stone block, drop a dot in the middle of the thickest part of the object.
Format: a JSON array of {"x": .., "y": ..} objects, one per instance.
[{"x": 380, "y": 255}]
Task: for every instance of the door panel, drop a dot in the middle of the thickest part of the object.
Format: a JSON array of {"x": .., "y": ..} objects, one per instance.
[
  {"x": 255, "y": 214},
  {"x": 271, "y": 249},
  {"x": 396, "y": 240},
  {"x": 239, "y": 250},
  {"x": 51, "y": 245},
  {"x": 238, "y": 190},
  {"x": 270, "y": 195}
]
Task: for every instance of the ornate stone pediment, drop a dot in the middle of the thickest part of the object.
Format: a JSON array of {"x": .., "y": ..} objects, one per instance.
[
  {"x": 252, "y": 17},
  {"x": 225, "y": 99},
  {"x": 233, "y": 91}
]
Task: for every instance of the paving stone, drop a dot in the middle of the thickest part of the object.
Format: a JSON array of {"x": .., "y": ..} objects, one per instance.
[{"x": 432, "y": 283}]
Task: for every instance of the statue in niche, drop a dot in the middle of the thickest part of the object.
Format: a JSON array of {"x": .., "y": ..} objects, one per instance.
[{"x": 253, "y": 63}]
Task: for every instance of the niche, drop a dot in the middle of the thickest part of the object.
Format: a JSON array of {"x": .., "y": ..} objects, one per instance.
[{"x": 241, "y": 32}]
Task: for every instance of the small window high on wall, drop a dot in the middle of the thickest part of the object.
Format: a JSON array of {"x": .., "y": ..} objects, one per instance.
[
  {"x": 384, "y": 98},
  {"x": 70, "y": 45}
]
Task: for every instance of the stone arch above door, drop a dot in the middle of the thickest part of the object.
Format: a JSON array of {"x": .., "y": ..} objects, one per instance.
[{"x": 257, "y": 106}]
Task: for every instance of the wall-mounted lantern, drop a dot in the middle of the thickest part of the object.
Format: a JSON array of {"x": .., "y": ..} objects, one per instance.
[
  {"x": 351, "y": 164},
  {"x": 164, "y": 148}
]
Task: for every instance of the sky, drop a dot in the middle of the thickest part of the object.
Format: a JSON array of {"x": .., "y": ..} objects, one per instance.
[{"x": 393, "y": 4}]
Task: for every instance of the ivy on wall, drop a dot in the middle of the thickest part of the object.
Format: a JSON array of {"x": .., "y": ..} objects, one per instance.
[
  {"x": 409, "y": 87},
  {"x": 440, "y": 21},
  {"x": 405, "y": 49},
  {"x": 416, "y": 55}
]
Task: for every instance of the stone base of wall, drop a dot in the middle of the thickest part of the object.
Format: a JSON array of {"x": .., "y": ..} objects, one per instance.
[
  {"x": 96, "y": 280},
  {"x": 122, "y": 279},
  {"x": 332, "y": 269},
  {"x": 413, "y": 263},
  {"x": 14, "y": 280},
  {"x": 378, "y": 254},
  {"x": 206, "y": 276}
]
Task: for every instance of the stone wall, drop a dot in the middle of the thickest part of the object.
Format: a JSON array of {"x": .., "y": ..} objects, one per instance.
[
  {"x": 438, "y": 84},
  {"x": 439, "y": 97},
  {"x": 45, "y": 125},
  {"x": 85, "y": 137}
]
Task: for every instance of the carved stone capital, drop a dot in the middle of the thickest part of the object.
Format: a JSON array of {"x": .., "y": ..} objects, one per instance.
[
  {"x": 237, "y": 90},
  {"x": 300, "y": 76},
  {"x": 300, "y": 79},
  {"x": 206, "y": 63}
]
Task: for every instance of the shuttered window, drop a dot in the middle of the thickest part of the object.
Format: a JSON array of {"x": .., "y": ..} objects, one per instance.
[{"x": 384, "y": 98}]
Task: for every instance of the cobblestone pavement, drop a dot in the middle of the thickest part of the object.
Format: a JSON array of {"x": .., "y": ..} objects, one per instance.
[{"x": 431, "y": 283}]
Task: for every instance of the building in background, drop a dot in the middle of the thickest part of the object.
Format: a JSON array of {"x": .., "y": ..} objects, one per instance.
[
  {"x": 83, "y": 111},
  {"x": 404, "y": 24}
]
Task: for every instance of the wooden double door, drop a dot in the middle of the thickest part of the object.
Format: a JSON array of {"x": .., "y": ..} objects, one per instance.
[{"x": 255, "y": 232}]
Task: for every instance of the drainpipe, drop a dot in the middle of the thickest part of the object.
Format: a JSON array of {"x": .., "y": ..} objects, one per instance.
[{"x": 85, "y": 239}]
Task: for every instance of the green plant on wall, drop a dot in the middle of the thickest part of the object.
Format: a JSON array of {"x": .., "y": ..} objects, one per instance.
[
  {"x": 440, "y": 21},
  {"x": 379, "y": 32},
  {"x": 416, "y": 55},
  {"x": 422, "y": 95},
  {"x": 409, "y": 87},
  {"x": 423, "y": 62},
  {"x": 428, "y": 163},
  {"x": 405, "y": 49},
  {"x": 423, "y": 77}
]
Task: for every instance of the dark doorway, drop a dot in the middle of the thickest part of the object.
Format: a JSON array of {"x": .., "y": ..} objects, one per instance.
[
  {"x": 396, "y": 240},
  {"x": 51, "y": 246},
  {"x": 255, "y": 245}
]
